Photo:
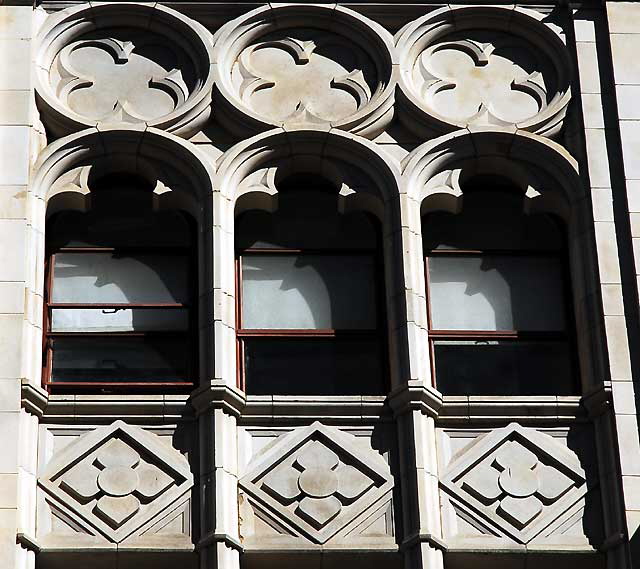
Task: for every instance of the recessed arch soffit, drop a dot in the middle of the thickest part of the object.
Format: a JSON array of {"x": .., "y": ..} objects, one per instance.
[
  {"x": 367, "y": 180},
  {"x": 182, "y": 177},
  {"x": 435, "y": 172},
  {"x": 483, "y": 66},
  {"x": 124, "y": 64},
  {"x": 301, "y": 66}
]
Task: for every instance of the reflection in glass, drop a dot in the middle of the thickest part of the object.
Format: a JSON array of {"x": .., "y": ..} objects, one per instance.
[
  {"x": 114, "y": 278},
  {"x": 496, "y": 292},
  {"x": 308, "y": 292},
  {"x": 118, "y": 320}
]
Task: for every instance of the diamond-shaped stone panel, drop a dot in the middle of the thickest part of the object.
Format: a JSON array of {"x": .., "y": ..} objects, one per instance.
[
  {"x": 517, "y": 479},
  {"x": 114, "y": 479},
  {"x": 317, "y": 479}
]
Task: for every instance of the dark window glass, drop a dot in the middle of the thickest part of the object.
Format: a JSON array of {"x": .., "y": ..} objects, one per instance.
[
  {"x": 119, "y": 360},
  {"x": 492, "y": 367},
  {"x": 314, "y": 366}
]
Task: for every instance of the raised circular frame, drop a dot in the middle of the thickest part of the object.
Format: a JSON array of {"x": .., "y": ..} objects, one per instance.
[
  {"x": 452, "y": 27},
  {"x": 284, "y": 26},
  {"x": 78, "y": 26}
]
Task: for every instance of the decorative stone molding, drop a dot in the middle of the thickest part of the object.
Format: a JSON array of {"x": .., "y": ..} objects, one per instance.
[
  {"x": 116, "y": 480},
  {"x": 33, "y": 398},
  {"x": 296, "y": 65},
  {"x": 182, "y": 176},
  {"x": 250, "y": 170},
  {"x": 434, "y": 173},
  {"x": 516, "y": 480},
  {"x": 483, "y": 66},
  {"x": 315, "y": 481},
  {"x": 124, "y": 64}
]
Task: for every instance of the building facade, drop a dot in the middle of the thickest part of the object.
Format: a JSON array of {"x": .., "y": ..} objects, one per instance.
[{"x": 312, "y": 284}]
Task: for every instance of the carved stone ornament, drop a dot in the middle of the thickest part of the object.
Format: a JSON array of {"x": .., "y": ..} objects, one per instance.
[
  {"x": 305, "y": 65},
  {"x": 116, "y": 479},
  {"x": 124, "y": 64},
  {"x": 318, "y": 480},
  {"x": 486, "y": 66},
  {"x": 517, "y": 479}
]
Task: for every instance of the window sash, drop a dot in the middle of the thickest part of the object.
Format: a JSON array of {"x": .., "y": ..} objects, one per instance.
[
  {"x": 244, "y": 334},
  {"x": 187, "y": 334},
  {"x": 512, "y": 336},
  {"x": 376, "y": 293},
  {"x": 472, "y": 332}
]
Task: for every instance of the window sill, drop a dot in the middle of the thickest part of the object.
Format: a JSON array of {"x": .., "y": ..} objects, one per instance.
[
  {"x": 321, "y": 407},
  {"x": 136, "y": 408},
  {"x": 534, "y": 408}
]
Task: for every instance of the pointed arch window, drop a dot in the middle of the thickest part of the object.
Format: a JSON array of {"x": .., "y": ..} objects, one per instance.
[
  {"x": 310, "y": 297},
  {"x": 120, "y": 293},
  {"x": 499, "y": 302}
]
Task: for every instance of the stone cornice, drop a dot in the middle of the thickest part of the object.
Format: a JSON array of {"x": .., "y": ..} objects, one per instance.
[
  {"x": 33, "y": 398},
  {"x": 217, "y": 395},
  {"x": 415, "y": 396}
]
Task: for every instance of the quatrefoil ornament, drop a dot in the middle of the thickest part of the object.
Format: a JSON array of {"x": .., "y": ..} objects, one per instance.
[
  {"x": 126, "y": 64},
  {"x": 335, "y": 72},
  {"x": 111, "y": 80},
  {"x": 486, "y": 66},
  {"x": 481, "y": 83}
]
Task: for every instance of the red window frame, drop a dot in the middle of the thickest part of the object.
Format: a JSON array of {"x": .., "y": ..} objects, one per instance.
[
  {"x": 92, "y": 385},
  {"x": 378, "y": 333}
]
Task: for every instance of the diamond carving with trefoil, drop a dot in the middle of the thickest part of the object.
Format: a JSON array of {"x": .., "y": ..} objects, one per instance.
[
  {"x": 318, "y": 480},
  {"x": 518, "y": 479},
  {"x": 115, "y": 479}
]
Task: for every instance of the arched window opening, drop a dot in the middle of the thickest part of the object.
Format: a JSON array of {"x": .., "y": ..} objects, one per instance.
[
  {"x": 499, "y": 300},
  {"x": 310, "y": 297},
  {"x": 120, "y": 294}
]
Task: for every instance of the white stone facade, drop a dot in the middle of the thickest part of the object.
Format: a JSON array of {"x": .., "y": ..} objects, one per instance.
[{"x": 397, "y": 105}]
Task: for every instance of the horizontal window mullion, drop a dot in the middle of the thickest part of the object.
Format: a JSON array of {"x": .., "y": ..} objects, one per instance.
[
  {"x": 320, "y": 252},
  {"x": 494, "y": 334},
  {"x": 304, "y": 333},
  {"x": 127, "y": 382},
  {"x": 164, "y": 333},
  {"x": 496, "y": 252},
  {"x": 125, "y": 249},
  {"x": 123, "y": 305}
]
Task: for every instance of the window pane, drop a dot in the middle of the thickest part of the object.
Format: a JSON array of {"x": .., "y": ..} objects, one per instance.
[
  {"x": 118, "y": 320},
  {"x": 489, "y": 367},
  {"x": 493, "y": 292},
  {"x": 120, "y": 359},
  {"x": 115, "y": 278},
  {"x": 308, "y": 292},
  {"x": 312, "y": 366}
]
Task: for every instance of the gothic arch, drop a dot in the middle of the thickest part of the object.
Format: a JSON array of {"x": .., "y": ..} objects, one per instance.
[
  {"x": 434, "y": 175},
  {"x": 368, "y": 180}
]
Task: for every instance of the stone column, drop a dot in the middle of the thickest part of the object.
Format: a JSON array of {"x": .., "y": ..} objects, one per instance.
[
  {"x": 18, "y": 307},
  {"x": 624, "y": 29},
  {"x": 617, "y": 422}
]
